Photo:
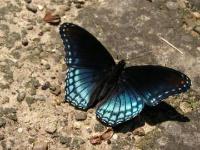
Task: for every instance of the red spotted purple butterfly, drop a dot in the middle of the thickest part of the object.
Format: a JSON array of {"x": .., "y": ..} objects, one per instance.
[{"x": 118, "y": 92}]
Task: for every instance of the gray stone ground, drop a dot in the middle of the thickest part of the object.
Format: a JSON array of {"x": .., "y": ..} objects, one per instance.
[{"x": 33, "y": 114}]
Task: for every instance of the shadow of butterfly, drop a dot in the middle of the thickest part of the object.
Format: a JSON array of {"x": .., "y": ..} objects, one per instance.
[{"x": 118, "y": 92}]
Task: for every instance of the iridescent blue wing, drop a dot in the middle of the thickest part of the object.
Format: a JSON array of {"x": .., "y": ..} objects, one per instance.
[
  {"x": 155, "y": 83},
  {"x": 83, "y": 49},
  {"x": 123, "y": 104},
  {"x": 139, "y": 85},
  {"x": 86, "y": 59}
]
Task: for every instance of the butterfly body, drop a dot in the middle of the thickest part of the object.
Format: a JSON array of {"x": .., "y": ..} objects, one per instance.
[
  {"x": 107, "y": 84},
  {"x": 118, "y": 92}
]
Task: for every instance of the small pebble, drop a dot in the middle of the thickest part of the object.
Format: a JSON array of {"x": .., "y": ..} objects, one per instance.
[
  {"x": 81, "y": 116},
  {"x": 1, "y": 137},
  {"x": 197, "y": 29},
  {"x": 53, "y": 77},
  {"x": 99, "y": 127},
  {"x": 30, "y": 100},
  {"x": 5, "y": 100},
  {"x": 32, "y": 91},
  {"x": 2, "y": 122},
  {"x": 185, "y": 107},
  {"x": 65, "y": 140},
  {"x": 76, "y": 143},
  {"x": 139, "y": 132},
  {"x": 172, "y": 5},
  {"x": 115, "y": 137},
  {"x": 12, "y": 116},
  {"x": 51, "y": 128},
  {"x": 19, "y": 130},
  {"x": 78, "y": 1},
  {"x": 31, "y": 140},
  {"x": 30, "y": 27},
  {"x": 76, "y": 125},
  {"x": 36, "y": 83},
  {"x": 162, "y": 141},
  {"x": 52, "y": 88},
  {"x": 78, "y": 5},
  {"x": 108, "y": 141},
  {"x": 31, "y": 8},
  {"x": 21, "y": 96},
  {"x": 24, "y": 42},
  {"x": 89, "y": 130},
  {"x": 40, "y": 7},
  {"x": 9, "y": 110},
  {"x": 55, "y": 135},
  {"x": 47, "y": 66},
  {"x": 57, "y": 90},
  {"x": 41, "y": 33},
  {"x": 40, "y": 146},
  {"x": 45, "y": 86},
  {"x": 28, "y": 1}
]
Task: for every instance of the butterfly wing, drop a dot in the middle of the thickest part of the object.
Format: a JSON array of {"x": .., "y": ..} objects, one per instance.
[
  {"x": 137, "y": 86},
  {"x": 83, "y": 49},
  {"x": 80, "y": 83},
  {"x": 86, "y": 59},
  {"x": 123, "y": 104},
  {"x": 155, "y": 83}
]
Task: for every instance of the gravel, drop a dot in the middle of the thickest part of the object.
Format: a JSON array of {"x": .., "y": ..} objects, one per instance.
[
  {"x": 28, "y": 1},
  {"x": 76, "y": 143},
  {"x": 197, "y": 29},
  {"x": 172, "y": 5},
  {"x": 30, "y": 100},
  {"x": 47, "y": 66},
  {"x": 65, "y": 140},
  {"x": 80, "y": 116},
  {"x": 5, "y": 100},
  {"x": 1, "y": 136},
  {"x": 45, "y": 86},
  {"x": 12, "y": 116},
  {"x": 2, "y": 122},
  {"x": 139, "y": 132},
  {"x": 24, "y": 41},
  {"x": 56, "y": 90},
  {"x": 99, "y": 127},
  {"x": 11, "y": 39},
  {"x": 31, "y": 8},
  {"x": 21, "y": 96},
  {"x": 185, "y": 107},
  {"x": 51, "y": 127},
  {"x": 40, "y": 146}
]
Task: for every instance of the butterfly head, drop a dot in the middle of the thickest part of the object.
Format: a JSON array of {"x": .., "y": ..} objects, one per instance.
[
  {"x": 119, "y": 68},
  {"x": 121, "y": 64}
]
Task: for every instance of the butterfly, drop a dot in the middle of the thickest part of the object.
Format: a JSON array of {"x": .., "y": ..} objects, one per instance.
[{"x": 118, "y": 92}]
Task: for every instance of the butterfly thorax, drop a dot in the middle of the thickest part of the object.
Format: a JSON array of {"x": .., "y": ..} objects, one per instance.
[{"x": 117, "y": 70}]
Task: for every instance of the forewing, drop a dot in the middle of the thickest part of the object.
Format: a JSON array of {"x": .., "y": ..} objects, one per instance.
[
  {"x": 155, "y": 83},
  {"x": 123, "y": 104},
  {"x": 83, "y": 49},
  {"x": 86, "y": 59}
]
